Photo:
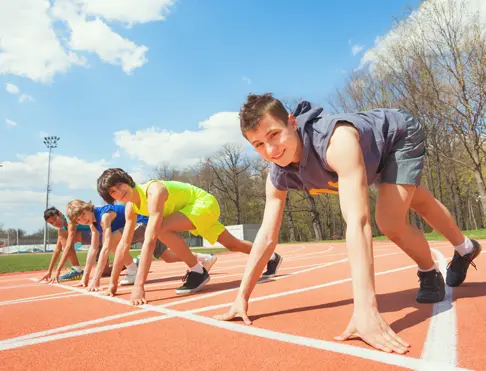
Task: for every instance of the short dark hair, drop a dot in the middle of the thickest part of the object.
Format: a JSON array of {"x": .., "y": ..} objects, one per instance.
[
  {"x": 50, "y": 212},
  {"x": 258, "y": 105},
  {"x": 110, "y": 178}
]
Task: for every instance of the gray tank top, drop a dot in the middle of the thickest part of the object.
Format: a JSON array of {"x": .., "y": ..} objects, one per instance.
[{"x": 379, "y": 130}]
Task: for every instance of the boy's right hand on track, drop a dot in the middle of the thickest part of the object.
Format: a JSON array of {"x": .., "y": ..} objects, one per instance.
[
  {"x": 46, "y": 277},
  {"x": 111, "y": 291}
]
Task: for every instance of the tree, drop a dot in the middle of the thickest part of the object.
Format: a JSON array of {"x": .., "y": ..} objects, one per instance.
[{"x": 229, "y": 166}]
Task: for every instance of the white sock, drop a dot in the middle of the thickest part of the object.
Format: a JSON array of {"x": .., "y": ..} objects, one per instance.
[
  {"x": 464, "y": 248},
  {"x": 197, "y": 268},
  {"x": 428, "y": 270},
  {"x": 202, "y": 257},
  {"x": 132, "y": 268},
  {"x": 273, "y": 257},
  {"x": 77, "y": 268}
]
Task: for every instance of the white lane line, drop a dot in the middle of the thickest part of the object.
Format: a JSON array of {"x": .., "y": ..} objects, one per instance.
[
  {"x": 17, "y": 286},
  {"x": 441, "y": 343},
  {"x": 45, "y": 339},
  {"x": 67, "y": 295},
  {"x": 34, "y": 297},
  {"x": 72, "y": 327}
]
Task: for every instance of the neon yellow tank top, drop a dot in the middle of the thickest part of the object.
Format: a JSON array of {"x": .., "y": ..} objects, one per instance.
[{"x": 180, "y": 195}]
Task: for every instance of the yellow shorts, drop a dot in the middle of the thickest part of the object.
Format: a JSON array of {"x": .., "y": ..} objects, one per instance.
[{"x": 204, "y": 214}]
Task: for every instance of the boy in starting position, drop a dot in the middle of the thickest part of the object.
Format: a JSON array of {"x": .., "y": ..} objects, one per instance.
[
  {"x": 344, "y": 154},
  {"x": 172, "y": 207},
  {"x": 68, "y": 236}
]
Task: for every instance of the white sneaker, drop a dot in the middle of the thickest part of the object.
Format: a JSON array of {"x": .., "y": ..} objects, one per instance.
[
  {"x": 129, "y": 279},
  {"x": 209, "y": 261}
]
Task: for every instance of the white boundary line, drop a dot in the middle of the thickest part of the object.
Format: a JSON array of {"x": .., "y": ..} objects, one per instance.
[
  {"x": 72, "y": 327},
  {"x": 17, "y": 286},
  {"x": 34, "y": 297},
  {"x": 39, "y": 340},
  {"x": 441, "y": 342},
  {"x": 52, "y": 297}
]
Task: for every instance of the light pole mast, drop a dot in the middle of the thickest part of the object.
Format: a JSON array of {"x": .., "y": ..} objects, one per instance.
[{"x": 50, "y": 142}]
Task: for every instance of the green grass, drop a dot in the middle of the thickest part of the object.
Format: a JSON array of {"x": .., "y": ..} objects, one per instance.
[{"x": 40, "y": 261}]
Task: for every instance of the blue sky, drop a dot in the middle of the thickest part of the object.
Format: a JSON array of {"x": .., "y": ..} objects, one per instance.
[{"x": 124, "y": 88}]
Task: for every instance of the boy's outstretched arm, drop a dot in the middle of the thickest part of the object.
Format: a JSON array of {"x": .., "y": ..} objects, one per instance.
[
  {"x": 91, "y": 257},
  {"x": 345, "y": 157},
  {"x": 55, "y": 256},
  {"x": 263, "y": 247},
  {"x": 71, "y": 229},
  {"x": 106, "y": 221},
  {"x": 122, "y": 248},
  {"x": 158, "y": 196}
]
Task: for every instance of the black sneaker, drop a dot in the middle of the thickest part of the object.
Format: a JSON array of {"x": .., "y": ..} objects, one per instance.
[
  {"x": 272, "y": 266},
  {"x": 193, "y": 282},
  {"x": 432, "y": 288},
  {"x": 458, "y": 266}
]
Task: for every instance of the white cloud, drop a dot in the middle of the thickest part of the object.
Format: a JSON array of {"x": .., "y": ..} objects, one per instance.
[
  {"x": 10, "y": 122},
  {"x": 115, "y": 154},
  {"x": 73, "y": 172},
  {"x": 129, "y": 11},
  {"x": 12, "y": 89},
  {"x": 417, "y": 22},
  {"x": 41, "y": 38},
  {"x": 23, "y": 186},
  {"x": 25, "y": 98},
  {"x": 43, "y": 134},
  {"x": 97, "y": 37},
  {"x": 28, "y": 44},
  {"x": 356, "y": 49},
  {"x": 181, "y": 148},
  {"x": 13, "y": 198}
]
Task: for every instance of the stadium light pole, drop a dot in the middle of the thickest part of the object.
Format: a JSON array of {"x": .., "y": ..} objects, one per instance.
[{"x": 50, "y": 142}]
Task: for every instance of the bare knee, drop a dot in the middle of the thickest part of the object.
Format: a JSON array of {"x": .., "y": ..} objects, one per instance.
[{"x": 391, "y": 227}]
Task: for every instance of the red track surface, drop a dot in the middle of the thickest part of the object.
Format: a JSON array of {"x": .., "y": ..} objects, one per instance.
[{"x": 295, "y": 317}]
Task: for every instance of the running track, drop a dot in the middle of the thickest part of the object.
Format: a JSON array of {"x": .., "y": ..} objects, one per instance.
[{"x": 295, "y": 317}]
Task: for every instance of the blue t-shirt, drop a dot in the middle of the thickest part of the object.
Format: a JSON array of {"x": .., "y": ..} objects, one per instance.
[{"x": 119, "y": 221}]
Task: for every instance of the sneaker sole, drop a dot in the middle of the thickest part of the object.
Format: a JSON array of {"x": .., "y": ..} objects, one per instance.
[
  {"x": 429, "y": 301},
  {"x": 126, "y": 283},
  {"x": 185, "y": 292},
  {"x": 276, "y": 270},
  {"x": 71, "y": 278}
]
